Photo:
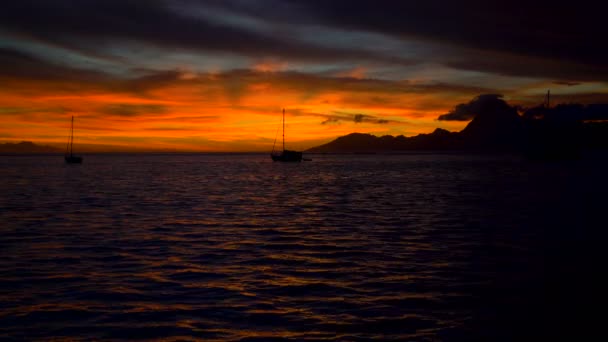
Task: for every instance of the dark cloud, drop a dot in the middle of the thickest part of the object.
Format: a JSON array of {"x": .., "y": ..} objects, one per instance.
[
  {"x": 567, "y": 83},
  {"x": 153, "y": 79},
  {"x": 337, "y": 117},
  {"x": 460, "y": 113},
  {"x": 520, "y": 35},
  {"x": 21, "y": 66},
  {"x": 532, "y": 38},
  {"x": 89, "y": 25},
  {"x": 359, "y": 117},
  {"x": 486, "y": 103},
  {"x": 330, "y": 120},
  {"x": 122, "y": 109},
  {"x": 21, "y": 111},
  {"x": 521, "y": 65},
  {"x": 18, "y": 64},
  {"x": 306, "y": 82}
]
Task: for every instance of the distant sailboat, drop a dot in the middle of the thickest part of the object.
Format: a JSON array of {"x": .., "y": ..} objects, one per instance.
[
  {"x": 285, "y": 155},
  {"x": 70, "y": 158},
  {"x": 553, "y": 137}
]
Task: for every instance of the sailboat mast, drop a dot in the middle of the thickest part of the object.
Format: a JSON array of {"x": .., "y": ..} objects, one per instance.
[
  {"x": 283, "y": 129},
  {"x": 72, "y": 136}
]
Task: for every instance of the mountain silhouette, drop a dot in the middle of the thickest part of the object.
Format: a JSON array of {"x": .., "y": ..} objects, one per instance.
[
  {"x": 496, "y": 126},
  {"x": 26, "y": 147},
  {"x": 440, "y": 139}
]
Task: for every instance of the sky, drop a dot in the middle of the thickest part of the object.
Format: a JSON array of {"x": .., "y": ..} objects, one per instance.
[{"x": 214, "y": 75}]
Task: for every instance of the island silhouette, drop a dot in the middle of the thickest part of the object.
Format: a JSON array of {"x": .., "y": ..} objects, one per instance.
[
  {"x": 26, "y": 147},
  {"x": 564, "y": 130}
]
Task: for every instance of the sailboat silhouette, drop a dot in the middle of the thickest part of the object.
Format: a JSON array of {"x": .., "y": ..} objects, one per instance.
[
  {"x": 285, "y": 155},
  {"x": 70, "y": 158}
]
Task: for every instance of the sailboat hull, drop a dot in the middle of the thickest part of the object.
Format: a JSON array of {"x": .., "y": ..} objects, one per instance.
[
  {"x": 73, "y": 160},
  {"x": 287, "y": 156}
]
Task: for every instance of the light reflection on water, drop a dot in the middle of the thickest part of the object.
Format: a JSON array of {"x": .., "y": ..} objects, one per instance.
[{"x": 230, "y": 247}]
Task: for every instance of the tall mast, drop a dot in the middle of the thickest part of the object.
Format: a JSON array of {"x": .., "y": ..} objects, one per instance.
[
  {"x": 283, "y": 129},
  {"x": 72, "y": 136},
  {"x": 548, "y": 98}
]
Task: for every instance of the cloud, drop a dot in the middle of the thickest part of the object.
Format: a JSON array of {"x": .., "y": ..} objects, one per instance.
[
  {"x": 268, "y": 65},
  {"x": 330, "y": 120},
  {"x": 20, "y": 65},
  {"x": 338, "y": 117},
  {"x": 519, "y": 35},
  {"x": 123, "y": 109},
  {"x": 92, "y": 26},
  {"x": 486, "y": 103},
  {"x": 528, "y": 39},
  {"x": 567, "y": 83},
  {"x": 359, "y": 118},
  {"x": 309, "y": 83},
  {"x": 171, "y": 87},
  {"x": 460, "y": 113},
  {"x": 17, "y": 65}
]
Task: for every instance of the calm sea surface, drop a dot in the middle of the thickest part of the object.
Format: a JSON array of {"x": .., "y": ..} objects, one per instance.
[{"x": 235, "y": 247}]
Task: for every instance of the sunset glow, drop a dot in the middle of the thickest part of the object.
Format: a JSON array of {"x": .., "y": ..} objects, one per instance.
[{"x": 222, "y": 88}]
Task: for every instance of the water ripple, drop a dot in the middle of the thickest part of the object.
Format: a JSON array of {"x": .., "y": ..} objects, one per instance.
[{"x": 212, "y": 247}]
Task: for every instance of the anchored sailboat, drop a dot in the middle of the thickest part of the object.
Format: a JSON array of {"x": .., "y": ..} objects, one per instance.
[
  {"x": 70, "y": 158},
  {"x": 285, "y": 155}
]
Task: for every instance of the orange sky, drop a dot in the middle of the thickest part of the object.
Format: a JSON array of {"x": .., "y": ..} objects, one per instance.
[
  {"x": 237, "y": 111},
  {"x": 215, "y": 75},
  {"x": 231, "y": 111}
]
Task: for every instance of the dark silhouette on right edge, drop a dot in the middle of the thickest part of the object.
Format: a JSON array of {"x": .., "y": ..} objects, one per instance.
[{"x": 542, "y": 132}]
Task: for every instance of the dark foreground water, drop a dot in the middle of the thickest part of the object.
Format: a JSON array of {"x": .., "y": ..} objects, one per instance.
[{"x": 235, "y": 247}]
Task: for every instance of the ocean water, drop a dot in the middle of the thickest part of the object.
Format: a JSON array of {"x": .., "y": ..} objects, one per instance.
[{"x": 349, "y": 248}]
